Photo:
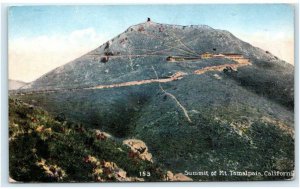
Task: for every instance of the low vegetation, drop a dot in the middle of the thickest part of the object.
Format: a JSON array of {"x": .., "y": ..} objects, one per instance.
[{"x": 43, "y": 149}]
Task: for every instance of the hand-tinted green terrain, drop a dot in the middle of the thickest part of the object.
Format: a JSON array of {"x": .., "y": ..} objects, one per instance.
[{"x": 199, "y": 98}]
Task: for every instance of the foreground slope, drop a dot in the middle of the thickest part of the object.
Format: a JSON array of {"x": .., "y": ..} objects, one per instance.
[{"x": 47, "y": 149}]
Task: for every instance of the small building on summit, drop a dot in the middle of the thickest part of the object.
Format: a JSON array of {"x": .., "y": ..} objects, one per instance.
[{"x": 148, "y": 20}]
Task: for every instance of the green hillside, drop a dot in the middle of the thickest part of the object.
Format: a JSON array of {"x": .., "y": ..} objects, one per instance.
[{"x": 44, "y": 149}]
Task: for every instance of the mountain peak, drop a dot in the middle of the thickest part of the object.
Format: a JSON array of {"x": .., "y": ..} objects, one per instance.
[
  {"x": 152, "y": 24},
  {"x": 127, "y": 56}
]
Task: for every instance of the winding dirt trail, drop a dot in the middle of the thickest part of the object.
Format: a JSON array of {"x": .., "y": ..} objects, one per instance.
[
  {"x": 241, "y": 63},
  {"x": 177, "y": 76},
  {"x": 174, "y": 98},
  {"x": 174, "y": 77}
]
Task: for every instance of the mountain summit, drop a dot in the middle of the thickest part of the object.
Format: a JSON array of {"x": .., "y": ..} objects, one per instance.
[{"x": 119, "y": 59}]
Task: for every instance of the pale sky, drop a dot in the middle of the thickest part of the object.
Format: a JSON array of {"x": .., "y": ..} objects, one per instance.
[{"x": 42, "y": 38}]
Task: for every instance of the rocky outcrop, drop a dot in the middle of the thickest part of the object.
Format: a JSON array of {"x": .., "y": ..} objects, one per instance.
[
  {"x": 108, "y": 171},
  {"x": 100, "y": 135},
  {"x": 139, "y": 149}
]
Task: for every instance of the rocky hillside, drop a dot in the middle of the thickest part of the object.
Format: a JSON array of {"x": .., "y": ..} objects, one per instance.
[{"x": 209, "y": 113}]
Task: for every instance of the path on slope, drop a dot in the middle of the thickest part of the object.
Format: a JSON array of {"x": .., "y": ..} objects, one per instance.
[
  {"x": 174, "y": 98},
  {"x": 178, "y": 75},
  {"x": 174, "y": 77}
]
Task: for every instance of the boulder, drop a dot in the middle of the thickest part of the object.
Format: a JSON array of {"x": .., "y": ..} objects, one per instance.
[{"x": 139, "y": 147}]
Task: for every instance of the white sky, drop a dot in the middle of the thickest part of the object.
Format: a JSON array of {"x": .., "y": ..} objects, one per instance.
[{"x": 35, "y": 56}]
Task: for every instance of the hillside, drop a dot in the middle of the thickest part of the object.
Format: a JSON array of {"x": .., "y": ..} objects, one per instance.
[
  {"x": 131, "y": 54},
  {"x": 47, "y": 149},
  {"x": 200, "y": 98}
]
